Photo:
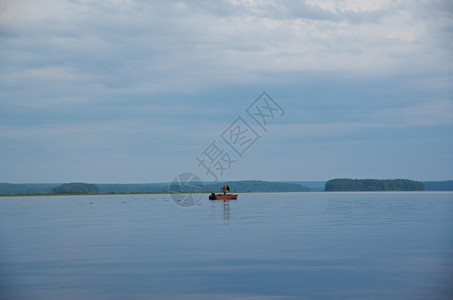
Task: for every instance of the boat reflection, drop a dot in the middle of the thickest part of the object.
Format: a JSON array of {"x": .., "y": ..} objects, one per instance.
[
  {"x": 226, "y": 212},
  {"x": 222, "y": 207}
]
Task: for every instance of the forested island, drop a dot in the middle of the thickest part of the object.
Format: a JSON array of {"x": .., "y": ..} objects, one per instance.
[{"x": 372, "y": 185}]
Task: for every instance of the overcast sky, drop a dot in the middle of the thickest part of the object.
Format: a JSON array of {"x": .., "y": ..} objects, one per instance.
[{"x": 135, "y": 91}]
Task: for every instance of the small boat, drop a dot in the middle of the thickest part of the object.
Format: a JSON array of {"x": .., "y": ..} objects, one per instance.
[{"x": 223, "y": 197}]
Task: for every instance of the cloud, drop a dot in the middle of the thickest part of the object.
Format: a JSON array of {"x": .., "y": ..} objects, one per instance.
[
  {"x": 111, "y": 47},
  {"x": 162, "y": 46},
  {"x": 110, "y": 73},
  {"x": 428, "y": 114},
  {"x": 362, "y": 122},
  {"x": 354, "y": 5}
]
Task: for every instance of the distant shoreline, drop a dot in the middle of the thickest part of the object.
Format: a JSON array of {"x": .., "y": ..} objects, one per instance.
[
  {"x": 166, "y": 193},
  {"x": 243, "y": 186}
]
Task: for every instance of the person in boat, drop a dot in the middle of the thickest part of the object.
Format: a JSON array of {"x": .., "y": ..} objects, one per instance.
[{"x": 225, "y": 188}]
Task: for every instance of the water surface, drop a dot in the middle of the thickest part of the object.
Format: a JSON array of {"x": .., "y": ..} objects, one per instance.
[{"x": 276, "y": 246}]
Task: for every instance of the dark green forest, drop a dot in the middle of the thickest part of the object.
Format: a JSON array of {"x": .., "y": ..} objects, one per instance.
[{"x": 370, "y": 185}]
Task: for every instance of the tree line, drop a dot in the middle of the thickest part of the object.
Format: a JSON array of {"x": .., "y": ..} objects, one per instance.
[{"x": 370, "y": 185}]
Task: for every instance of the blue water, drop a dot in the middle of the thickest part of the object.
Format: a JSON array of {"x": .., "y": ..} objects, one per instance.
[{"x": 262, "y": 246}]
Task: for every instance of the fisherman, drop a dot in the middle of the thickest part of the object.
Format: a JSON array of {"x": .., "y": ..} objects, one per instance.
[{"x": 225, "y": 188}]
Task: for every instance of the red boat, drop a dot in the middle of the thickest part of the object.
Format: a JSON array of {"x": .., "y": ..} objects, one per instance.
[{"x": 223, "y": 197}]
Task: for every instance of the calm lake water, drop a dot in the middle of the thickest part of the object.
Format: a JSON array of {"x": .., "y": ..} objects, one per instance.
[{"x": 262, "y": 246}]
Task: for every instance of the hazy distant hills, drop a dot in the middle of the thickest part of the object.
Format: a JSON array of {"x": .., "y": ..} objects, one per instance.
[
  {"x": 438, "y": 185},
  {"x": 257, "y": 186},
  {"x": 236, "y": 186}
]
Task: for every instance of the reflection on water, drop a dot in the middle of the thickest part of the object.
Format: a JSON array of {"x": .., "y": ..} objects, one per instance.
[
  {"x": 281, "y": 246},
  {"x": 225, "y": 208},
  {"x": 226, "y": 211}
]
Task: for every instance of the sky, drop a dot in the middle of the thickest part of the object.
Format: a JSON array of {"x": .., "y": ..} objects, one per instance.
[{"x": 130, "y": 91}]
